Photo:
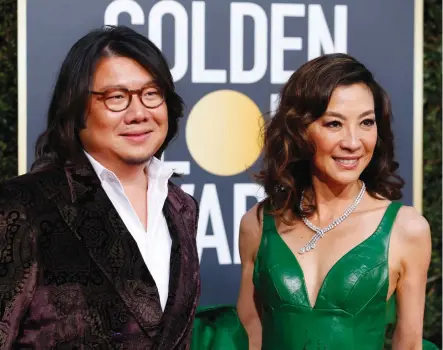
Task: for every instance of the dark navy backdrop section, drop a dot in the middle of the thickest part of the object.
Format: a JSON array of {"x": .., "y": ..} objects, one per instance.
[{"x": 229, "y": 60}]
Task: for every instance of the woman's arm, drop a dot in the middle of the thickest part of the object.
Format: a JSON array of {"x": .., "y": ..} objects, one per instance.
[
  {"x": 249, "y": 241},
  {"x": 415, "y": 255}
]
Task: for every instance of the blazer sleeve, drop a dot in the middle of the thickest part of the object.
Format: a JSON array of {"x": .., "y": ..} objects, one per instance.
[
  {"x": 18, "y": 268},
  {"x": 197, "y": 211},
  {"x": 187, "y": 334}
]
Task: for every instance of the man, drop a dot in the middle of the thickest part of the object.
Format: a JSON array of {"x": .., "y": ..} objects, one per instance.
[{"x": 97, "y": 246}]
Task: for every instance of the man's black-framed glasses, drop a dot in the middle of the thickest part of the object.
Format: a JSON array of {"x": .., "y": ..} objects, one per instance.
[{"x": 118, "y": 99}]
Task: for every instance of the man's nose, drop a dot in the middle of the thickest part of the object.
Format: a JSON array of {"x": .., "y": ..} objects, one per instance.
[{"x": 136, "y": 111}]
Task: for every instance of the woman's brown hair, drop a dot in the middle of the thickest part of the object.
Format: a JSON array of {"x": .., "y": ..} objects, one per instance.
[{"x": 288, "y": 151}]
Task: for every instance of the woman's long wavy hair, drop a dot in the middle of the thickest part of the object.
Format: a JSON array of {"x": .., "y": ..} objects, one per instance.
[
  {"x": 288, "y": 151},
  {"x": 60, "y": 145}
]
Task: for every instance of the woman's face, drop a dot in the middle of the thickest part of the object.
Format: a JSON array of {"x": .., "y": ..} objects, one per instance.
[{"x": 345, "y": 135}]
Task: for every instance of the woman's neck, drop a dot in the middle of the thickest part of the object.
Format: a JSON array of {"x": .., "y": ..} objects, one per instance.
[{"x": 332, "y": 200}]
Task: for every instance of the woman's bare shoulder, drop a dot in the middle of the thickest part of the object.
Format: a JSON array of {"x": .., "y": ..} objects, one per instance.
[
  {"x": 252, "y": 220},
  {"x": 251, "y": 230},
  {"x": 412, "y": 236},
  {"x": 412, "y": 224}
]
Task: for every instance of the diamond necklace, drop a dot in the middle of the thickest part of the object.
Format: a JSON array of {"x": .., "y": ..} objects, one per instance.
[{"x": 319, "y": 232}]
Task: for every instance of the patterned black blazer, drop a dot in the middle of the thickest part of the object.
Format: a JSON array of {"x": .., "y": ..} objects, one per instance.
[{"x": 72, "y": 276}]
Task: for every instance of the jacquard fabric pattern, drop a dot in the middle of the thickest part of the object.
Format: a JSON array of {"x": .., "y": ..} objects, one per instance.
[{"x": 72, "y": 276}]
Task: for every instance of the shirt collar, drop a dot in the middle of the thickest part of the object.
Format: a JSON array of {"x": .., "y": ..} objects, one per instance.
[
  {"x": 155, "y": 169},
  {"x": 158, "y": 169}
]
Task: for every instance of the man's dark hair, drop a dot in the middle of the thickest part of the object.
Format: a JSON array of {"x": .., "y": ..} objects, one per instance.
[{"x": 60, "y": 145}]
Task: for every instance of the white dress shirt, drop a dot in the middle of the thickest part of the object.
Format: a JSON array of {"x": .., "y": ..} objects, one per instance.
[{"x": 155, "y": 244}]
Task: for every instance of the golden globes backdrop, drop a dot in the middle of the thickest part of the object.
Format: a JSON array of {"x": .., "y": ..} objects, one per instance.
[{"x": 229, "y": 60}]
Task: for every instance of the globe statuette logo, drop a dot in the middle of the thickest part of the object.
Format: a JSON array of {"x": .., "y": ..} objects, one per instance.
[{"x": 223, "y": 132}]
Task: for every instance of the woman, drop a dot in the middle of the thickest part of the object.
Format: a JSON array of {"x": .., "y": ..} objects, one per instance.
[{"x": 328, "y": 251}]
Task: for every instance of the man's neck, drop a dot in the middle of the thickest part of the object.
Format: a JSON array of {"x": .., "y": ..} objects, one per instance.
[{"x": 129, "y": 175}]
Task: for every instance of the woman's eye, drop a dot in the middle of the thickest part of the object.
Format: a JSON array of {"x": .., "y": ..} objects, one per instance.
[
  {"x": 368, "y": 122},
  {"x": 333, "y": 124}
]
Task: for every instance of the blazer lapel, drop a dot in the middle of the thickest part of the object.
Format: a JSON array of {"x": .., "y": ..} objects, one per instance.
[
  {"x": 184, "y": 280},
  {"x": 92, "y": 217}
]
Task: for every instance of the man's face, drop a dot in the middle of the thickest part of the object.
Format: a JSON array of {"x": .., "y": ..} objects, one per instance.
[{"x": 130, "y": 136}]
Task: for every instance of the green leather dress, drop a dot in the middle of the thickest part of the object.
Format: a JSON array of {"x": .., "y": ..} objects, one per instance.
[
  {"x": 350, "y": 310},
  {"x": 350, "y": 313}
]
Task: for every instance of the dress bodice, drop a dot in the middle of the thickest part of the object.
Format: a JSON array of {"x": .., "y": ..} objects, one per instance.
[{"x": 350, "y": 311}]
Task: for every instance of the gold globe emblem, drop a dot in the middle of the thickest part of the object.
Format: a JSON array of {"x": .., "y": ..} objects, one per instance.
[{"x": 224, "y": 132}]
